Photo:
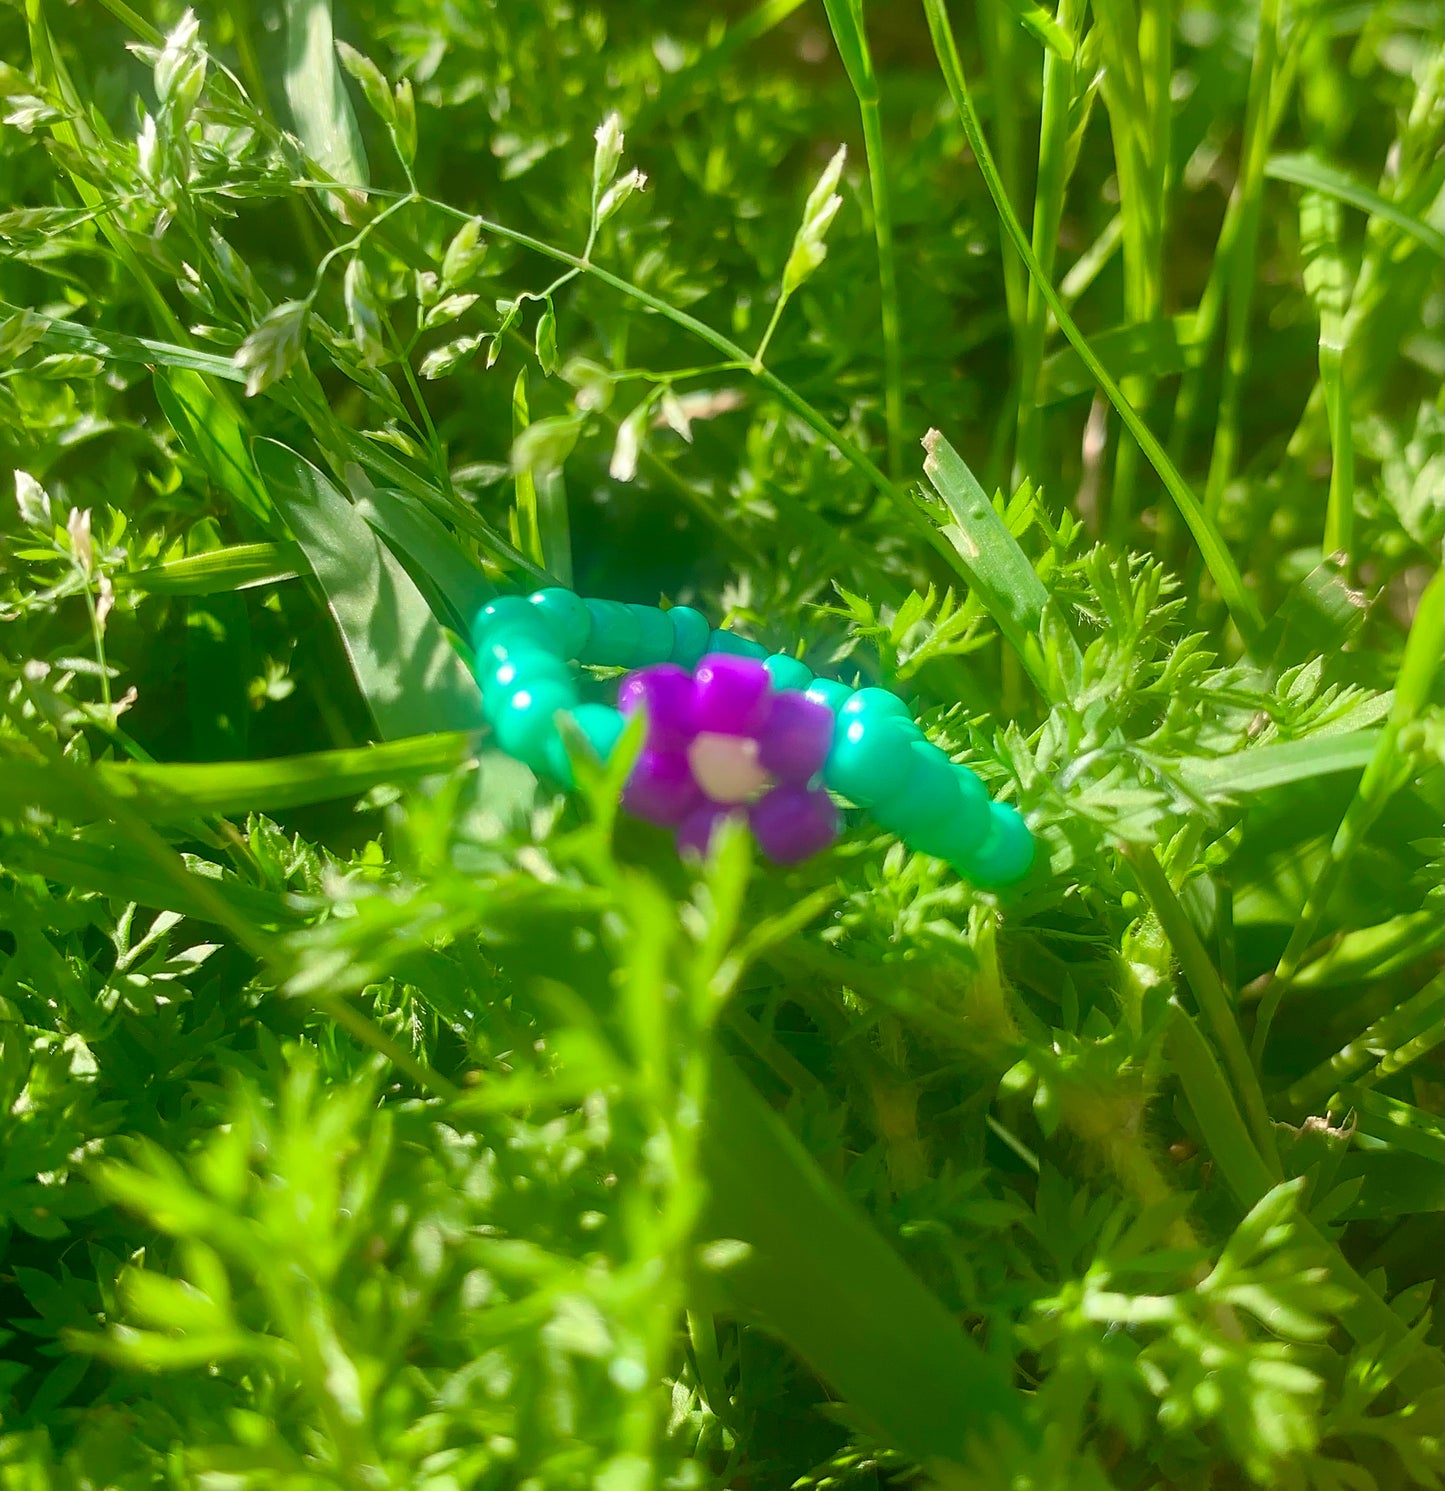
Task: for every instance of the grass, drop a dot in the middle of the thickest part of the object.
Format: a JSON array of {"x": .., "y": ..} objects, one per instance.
[{"x": 370, "y": 1116}]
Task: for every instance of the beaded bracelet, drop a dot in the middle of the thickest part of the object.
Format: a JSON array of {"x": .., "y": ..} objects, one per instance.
[{"x": 732, "y": 729}]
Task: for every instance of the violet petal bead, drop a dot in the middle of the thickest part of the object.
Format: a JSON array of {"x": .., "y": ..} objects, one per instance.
[
  {"x": 796, "y": 739},
  {"x": 666, "y": 694},
  {"x": 695, "y": 832},
  {"x": 733, "y": 694},
  {"x": 660, "y": 788},
  {"x": 793, "y": 823}
]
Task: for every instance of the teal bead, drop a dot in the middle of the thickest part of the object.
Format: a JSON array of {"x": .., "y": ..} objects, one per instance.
[
  {"x": 787, "y": 672},
  {"x": 941, "y": 810},
  {"x": 525, "y": 725},
  {"x": 830, "y": 692},
  {"x": 565, "y": 616},
  {"x": 616, "y": 635},
  {"x": 655, "y": 644},
  {"x": 600, "y": 726},
  {"x": 878, "y": 701},
  {"x": 509, "y": 639},
  {"x": 509, "y": 612},
  {"x": 1006, "y": 853},
  {"x": 736, "y": 646},
  {"x": 519, "y": 670},
  {"x": 870, "y": 761},
  {"x": 690, "y": 633}
]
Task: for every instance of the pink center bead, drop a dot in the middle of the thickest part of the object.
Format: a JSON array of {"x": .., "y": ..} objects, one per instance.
[{"x": 727, "y": 767}]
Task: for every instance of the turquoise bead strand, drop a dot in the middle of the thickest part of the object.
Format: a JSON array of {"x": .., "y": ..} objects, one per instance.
[{"x": 880, "y": 758}]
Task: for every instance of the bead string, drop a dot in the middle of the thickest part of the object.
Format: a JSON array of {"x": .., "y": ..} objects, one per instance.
[{"x": 732, "y": 728}]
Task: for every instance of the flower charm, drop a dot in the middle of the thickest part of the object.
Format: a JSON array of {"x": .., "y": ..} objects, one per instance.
[{"x": 722, "y": 741}]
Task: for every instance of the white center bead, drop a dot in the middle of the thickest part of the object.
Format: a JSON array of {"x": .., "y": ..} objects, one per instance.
[{"x": 726, "y": 766}]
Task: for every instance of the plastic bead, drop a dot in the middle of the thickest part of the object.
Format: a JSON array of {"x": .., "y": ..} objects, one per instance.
[
  {"x": 879, "y": 702},
  {"x": 939, "y": 809},
  {"x": 830, "y": 692},
  {"x": 522, "y": 670},
  {"x": 787, "y": 672},
  {"x": 525, "y": 722},
  {"x": 871, "y": 759},
  {"x": 731, "y": 732},
  {"x": 508, "y": 611},
  {"x": 1006, "y": 853},
  {"x": 600, "y": 727},
  {"x": 732, "y": 695},
  {"x": 695, "y": 832},
  {"x": 690, "y": 633},
  {"x": 793, "y": 823},
  {"x": 615, "y": 637},
  {"x": 726, "y": 767},
  {"x": 655, "y": 643},
  {"x": 796, "y": 739},
  {"x": 661, "y": 788},
  {"x": 730, "y": 642},
  {"x": 667, "y": 694},
  {"x": 509, "y": 639},
  {"x": 566, "y": 617}
]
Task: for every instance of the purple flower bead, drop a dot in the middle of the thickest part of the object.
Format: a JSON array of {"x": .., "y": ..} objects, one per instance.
[
  {"x": 660, "y": 787},
  {"x": 796, "y": 739},
  {"x": 733, "y": 695},
  {"x": 793, "y": 823},
  {"x": 667, "y": 695},
  {"x": 695, "y": 832}
]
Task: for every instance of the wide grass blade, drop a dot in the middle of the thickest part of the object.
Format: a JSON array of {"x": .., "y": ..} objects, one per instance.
[
  {"x": 236, "y": 567},
  {"x": 452, "y": 581},
  {"x": 213, "y": 434},
  {"x": 173, "y": 792},
  {"x": 1309, "y": 171},
  {"x": 411, "y": 678},
  {"x": 820, "y": 1276},
  {"x": 319, "y": 103},
  {"x": 1227, "y": 778}
]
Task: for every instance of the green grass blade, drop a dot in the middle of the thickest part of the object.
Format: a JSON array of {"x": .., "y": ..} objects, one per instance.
[
  {"x": 1217, "y": 558},
  {"x": 1043, "y": 28},
  {"x": 173, "y": 792},
  {"x": 1317, "y": 175},
  {"x": 412, "y": 680},
  {"x": 1397, "y": 1124},
  {"x": 1214, "y": 999},
  {"x": 1051, "y": 186},
  {"x": 1414, "y": 690},
  {"x": 1400, "y": 1035},
  {"x": 1152, "y": 349},
  {"x": 1328, "y": 285},
  {"x": 237, "y": 567},
  {"x": 851, "y": 38},
  {"x": 1240, "y": 272},
  {"x": 821, "y": 1277},
  {"x": 1367, "y": 1317},
  {"x": 212, "y": 432},
  {"x": 116, "y": 346},
  {"x": 319, "y": 102},
  {"x": 997, "y": 568},
  {"x": 441, "y": 568},
  {"x": 1228, "y": 778}
]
